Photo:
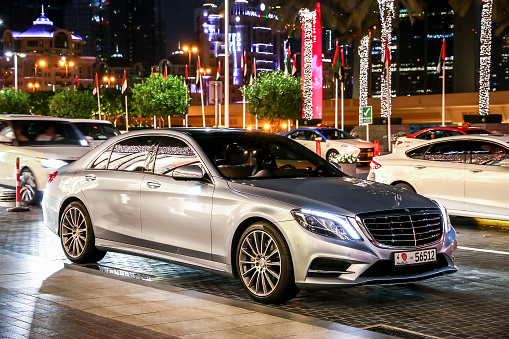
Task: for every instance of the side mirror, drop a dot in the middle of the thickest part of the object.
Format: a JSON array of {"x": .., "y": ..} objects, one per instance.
[
  {"x": 504, "y": 163},
  {"x": 188, "y": 172}
]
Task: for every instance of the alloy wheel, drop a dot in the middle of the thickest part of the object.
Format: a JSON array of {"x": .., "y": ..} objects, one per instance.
[
  {"x": 28, "y": 189},
  {"x": 260, "y": 263},
  {"x": 74, "y": 232},
  {"x": 331, "y": 155}
]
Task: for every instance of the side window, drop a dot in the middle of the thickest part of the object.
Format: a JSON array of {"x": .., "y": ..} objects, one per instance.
[
  {"x": 102, "y": 161},
  {"x": 133, "y": 154},
  {"x": 486, "y": 153},
  {"x": 454, "y": 133},
  {"x": 311, "y": 136},
  {"x": 452, "y": 151},
  {"x": 173, "y": 153},
  {"x": 6, "y": 134},
  {"x": 417, "y": 153},
  {"x": 424, "y": 136}
]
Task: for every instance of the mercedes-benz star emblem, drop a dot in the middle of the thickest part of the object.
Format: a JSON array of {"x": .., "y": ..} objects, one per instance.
[{"x": 398, "y": 199}]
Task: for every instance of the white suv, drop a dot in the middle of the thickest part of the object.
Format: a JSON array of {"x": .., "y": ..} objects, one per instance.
[{"x": 43, "y": 144}]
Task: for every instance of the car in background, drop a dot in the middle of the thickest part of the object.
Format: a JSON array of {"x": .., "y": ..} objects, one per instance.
[
  {"x": 333, "y": 142},
  {"x": 43, "y": 144},
  {"x": 248, "y": 204},
  {"x": 468, "y": 174},
  {"x": 437, "y": 133},
  {"x": 95, "y": 131}
]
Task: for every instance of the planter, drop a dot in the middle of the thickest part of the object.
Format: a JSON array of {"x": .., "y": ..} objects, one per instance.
[{"x": 350, "y": 169}]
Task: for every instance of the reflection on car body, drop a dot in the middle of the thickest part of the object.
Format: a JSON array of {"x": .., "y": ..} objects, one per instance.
[{"x": 253, "y": 205}]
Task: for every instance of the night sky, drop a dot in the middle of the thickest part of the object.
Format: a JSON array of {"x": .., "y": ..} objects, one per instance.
[{"x": 179, "y": 22}]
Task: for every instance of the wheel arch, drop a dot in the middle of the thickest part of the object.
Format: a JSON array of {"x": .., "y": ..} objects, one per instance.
[
  {"x": 238, "y": 233},
  {"x": 394, "y": 183}
]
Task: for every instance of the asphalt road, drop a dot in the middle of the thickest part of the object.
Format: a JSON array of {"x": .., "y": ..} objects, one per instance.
[{"x": 472, "y": 303}]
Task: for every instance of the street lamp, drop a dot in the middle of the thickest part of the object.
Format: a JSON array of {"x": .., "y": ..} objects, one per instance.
[
  {"x": 33, "y": 86},
  {"x": 40, "y": 63},
  {"x": 15, "y": 55},
  {"x": 189, "y": 50},
  {"x": 109, "y": 80},
  {"x": 64, "y": 63}
]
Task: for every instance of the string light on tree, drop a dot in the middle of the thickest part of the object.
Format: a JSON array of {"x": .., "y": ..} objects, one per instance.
[
  {"x": 307, "y": 18},
  {"x": 363, "y": 76},
  {"x": 485, "y": 58},
  {"x": 387, "y": 16}
]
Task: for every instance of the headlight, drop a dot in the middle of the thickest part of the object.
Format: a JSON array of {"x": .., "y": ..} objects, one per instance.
[
  {"x": 52, "y": 163},
  {"x": 327, "y": 224},
  {"x": 445, "y": 216}
]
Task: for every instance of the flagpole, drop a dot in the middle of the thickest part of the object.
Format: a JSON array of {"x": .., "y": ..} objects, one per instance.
[
  {"x": 216, "y": 100},
  {"x": 169, "y": 121},
  {"x": 389, "y": 141},
  {"x": 126, "y": 116},
  {"x": 336, "y": 105},
  {"x": 342, "y": 108},
  {"x": 99, "y": 103},
  {"x": 202, "y": 105},
  {"x": 243, "y": 112},
  {"x": 443, "y": 93}
]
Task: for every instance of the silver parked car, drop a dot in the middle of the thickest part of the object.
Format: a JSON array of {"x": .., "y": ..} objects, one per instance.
[{"x": 254, "y": 205}]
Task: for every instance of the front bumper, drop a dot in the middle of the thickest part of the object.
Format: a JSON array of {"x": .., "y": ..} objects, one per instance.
[{"x": 321, "y": 262}]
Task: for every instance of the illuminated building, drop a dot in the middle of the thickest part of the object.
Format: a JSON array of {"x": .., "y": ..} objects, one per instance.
[
  {"x": 250, "y": 31},
  {"x": 50, "y": 58}
]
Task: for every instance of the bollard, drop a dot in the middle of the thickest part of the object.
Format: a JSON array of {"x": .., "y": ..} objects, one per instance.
[
  {"x": 377, "y": 148},
  {"x": 318, "y": 146},
  {"x": 18, "y": 207}
]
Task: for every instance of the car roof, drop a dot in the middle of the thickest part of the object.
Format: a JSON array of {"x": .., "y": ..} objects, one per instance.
[
  {"x": 500, "y": 139},
  {"x": 29, "y": 117},
  {"x": 200, "y": 131},
  {"x": 318, "y": 129},
  {"x": 90, "y": 121},
  {"x": 448, "y": 128}
]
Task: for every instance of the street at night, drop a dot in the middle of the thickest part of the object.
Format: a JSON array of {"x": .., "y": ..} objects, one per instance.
[{"x": 472, "y": 303}]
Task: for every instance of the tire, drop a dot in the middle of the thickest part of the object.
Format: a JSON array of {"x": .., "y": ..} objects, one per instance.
[
  {"x": 28, "y": 188},
  {"x": 405, "y": 186},
  {"x": 331, "y": 154},
  {"x": 264, "y": 264},
  {"x": 77, "y": 235}
]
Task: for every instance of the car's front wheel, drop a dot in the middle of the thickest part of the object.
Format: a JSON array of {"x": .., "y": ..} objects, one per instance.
[
  {"x": 77, "y": 235},
  {"x": 28, "y": 188},
  {"x": 405, "y": 186},
  {"x": 264, "y": 264}
]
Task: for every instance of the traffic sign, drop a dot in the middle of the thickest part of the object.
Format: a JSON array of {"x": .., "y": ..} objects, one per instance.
[{"x": 367, "y": 115}]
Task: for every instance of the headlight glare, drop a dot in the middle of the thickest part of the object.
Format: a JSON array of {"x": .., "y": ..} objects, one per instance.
[
  {"x": 326, "y": 224},
  {"x": 52, "y": 163},
  {"x": 445, "y": 217}
]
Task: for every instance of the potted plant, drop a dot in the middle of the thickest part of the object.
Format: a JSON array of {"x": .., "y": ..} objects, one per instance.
[{"x": 347, "y": 162}]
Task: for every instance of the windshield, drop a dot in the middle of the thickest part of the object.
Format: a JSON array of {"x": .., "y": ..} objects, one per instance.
[
  {"x": 259, "y": 155},
  {"x": 47, "y": 132},
  {"x": 335, "y": 134},
  {"x": 98, "y": 131}
]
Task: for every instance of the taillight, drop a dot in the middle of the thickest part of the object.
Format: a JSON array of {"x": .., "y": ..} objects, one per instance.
[
  {"x": 398, "y": 142},
  {"x": 52, "y": 176},
  {"x": 374, "y": 165}
]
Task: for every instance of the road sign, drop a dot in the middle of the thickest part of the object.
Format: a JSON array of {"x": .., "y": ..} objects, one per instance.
[{"x": 367, "y": 115}]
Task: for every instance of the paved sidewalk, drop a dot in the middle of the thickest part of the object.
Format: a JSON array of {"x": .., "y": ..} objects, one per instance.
[{"x": 45, "y": 298}]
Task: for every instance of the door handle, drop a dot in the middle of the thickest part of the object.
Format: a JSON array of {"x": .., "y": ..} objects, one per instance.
[
  {"x": 477, "y": 170},
  {"x": 153, "y": 184},
  {"x": 90, "y": 177},
  {"x": 419, "y": 167}
]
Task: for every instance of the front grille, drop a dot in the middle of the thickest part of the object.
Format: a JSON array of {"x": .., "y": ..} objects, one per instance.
[
  {"x": 404, "y": 228},
  {"x": 363, "y": 155}
]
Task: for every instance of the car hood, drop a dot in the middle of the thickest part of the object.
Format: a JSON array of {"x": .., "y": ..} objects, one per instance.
[
  {"x": 353, "y": 142},
  {"x": 344, "y": 195},
  {"x": 58, "y": 152}
]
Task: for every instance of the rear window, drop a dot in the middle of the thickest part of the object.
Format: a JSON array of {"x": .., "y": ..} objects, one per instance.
[
  {"x": 98, "y": 131},
  {"x": 478, "y": 131}
]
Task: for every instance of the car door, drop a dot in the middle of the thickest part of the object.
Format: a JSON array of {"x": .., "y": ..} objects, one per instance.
[
  {"x": 486, "y": 182},
  {"x": 440, "y": 173},
  {"x": 176, "y": 214},
  {"x": 112, "y": 188},
  {"x": 7, "y": 154}
]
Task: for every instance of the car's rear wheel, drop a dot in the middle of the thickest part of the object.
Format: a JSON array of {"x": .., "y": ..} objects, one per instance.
[
  {"x": 28, "y": 188},
  {"x": 264, "y": 264},
  {"x": 77, "y": 235},
  {"x": 331, "y": 154},
  {"x": 405, "y": 186}
]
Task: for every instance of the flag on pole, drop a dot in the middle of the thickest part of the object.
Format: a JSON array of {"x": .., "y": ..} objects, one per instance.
[
  {"x": 96, "y": 85},
  {"x": 198, "y": 74},
  {"x": 165, "y": 71},
  {"x": 253, "y": 76},
  {"x": 342, "y": 68},
  {"x": 244, "y": 69},
  {"x": 77, "y": 82},
  {"x": 294, "y": 65},
  {"x": 387, "y": 59},
  {"x": 151, "y": 70},
  {"x": 218, "y": 73},
  {"x": 335, "y": 62},
  {"x": 288, "y": 62},
  {"x": 441, "y": 58},
  {"x": 124, "y": 83}
]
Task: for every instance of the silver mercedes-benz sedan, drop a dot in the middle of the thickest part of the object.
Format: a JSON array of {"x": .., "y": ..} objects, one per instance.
[{"x": 254, "y": 205}]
